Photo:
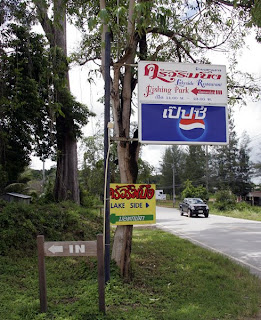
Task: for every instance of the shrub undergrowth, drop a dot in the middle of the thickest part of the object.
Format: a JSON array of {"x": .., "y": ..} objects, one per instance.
[{"x": 20, "y": 224}]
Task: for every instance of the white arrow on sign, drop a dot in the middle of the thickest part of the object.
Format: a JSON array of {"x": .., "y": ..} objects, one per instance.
[{"x": 55, "y": 249}]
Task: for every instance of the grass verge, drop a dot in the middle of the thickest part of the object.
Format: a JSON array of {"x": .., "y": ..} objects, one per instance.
[
  {"x": 241, "y": 210},
  {"x": 172, "y": 279},
  {"x": 251, "y": 213}
]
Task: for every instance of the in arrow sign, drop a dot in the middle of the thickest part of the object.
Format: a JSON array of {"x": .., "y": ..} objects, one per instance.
[{"x": 55, "y": 249}]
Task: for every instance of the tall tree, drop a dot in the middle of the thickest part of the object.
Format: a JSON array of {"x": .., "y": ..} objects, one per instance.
[
  {"x": 68, "y": 114},
  {"x": 66, "y": 183},
  {"x": 224, "y": 161},
  {"x": 173, "y": 156},
  {"x": 244, "y": 170},
  {"x": 24, "y": 111},
  {"x": 152, "y": 30},
  {"x": 195, "y": 165}
]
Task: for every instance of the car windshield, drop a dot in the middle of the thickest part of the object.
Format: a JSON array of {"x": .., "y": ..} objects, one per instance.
[{"x": 195, "y": 200}]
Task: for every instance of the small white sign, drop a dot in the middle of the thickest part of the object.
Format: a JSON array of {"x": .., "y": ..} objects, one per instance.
[
  {"x": 182, "y": 83},
  {"x": 70, "y": 248}
]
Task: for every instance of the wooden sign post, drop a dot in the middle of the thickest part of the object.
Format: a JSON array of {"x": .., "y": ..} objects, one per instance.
[{"x": 68, "y": 249}]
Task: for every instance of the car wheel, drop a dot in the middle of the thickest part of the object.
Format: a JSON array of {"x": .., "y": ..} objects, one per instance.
[
  {"x": 206, "y": 214},
  {"x": 181, "y": 212},
  {"x": 189, "y": 213}
]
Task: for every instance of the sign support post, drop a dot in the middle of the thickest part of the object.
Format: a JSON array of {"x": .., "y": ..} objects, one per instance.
[
  {"x": 67, "y": 249},
  {"x": 42, "y": 274},
  {"x": 106, "y": 148},
  {"x": 101, "y": 275}
]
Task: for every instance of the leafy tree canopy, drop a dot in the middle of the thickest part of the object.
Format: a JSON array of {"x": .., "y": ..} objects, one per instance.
[
  {"x": 31, "y": 73},
  {"x": 194, "y": 192}
]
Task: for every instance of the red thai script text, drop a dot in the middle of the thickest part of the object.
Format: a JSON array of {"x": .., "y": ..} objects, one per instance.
[
  {"x": 153, "y": 71},
  {"x": 129, "y": 191}
]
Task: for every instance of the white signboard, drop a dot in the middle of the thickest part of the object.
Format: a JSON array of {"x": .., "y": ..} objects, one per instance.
[
  {"x": 182, "y": 103},
  {"x": 182, "y": 83}
]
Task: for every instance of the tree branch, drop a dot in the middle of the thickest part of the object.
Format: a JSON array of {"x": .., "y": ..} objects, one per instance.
[
  {"x": 104, "y": 30},
  {"x": 240, "y": 4},
  {"x": 46, "y": 23}
]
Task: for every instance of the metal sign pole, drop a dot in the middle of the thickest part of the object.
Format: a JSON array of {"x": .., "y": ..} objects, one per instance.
[{"x": 106, "y": 148}]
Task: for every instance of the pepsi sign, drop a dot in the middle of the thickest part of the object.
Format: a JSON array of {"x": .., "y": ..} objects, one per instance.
[
  {"x": 181, "y": 103},
  {"x": 183, "y": 124}
]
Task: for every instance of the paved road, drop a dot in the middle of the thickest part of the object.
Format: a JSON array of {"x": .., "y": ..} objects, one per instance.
[{"x": 237, "y": 238}]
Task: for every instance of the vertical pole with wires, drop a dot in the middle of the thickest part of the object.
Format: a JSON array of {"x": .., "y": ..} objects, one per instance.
[
  {"x": 173, "y": 183},
  {"x": 106, "y": 150}
]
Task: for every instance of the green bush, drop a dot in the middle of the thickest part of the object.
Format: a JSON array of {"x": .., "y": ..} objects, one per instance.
[
  {"x": 225, "y": 200},
  {"x": 242, "y": 206},
  {"x": 194, "y": 192},
  {"x": 20, "y": 224},
  {"x": 3, "y": 179},
  {"x": 88, "y": 199}
]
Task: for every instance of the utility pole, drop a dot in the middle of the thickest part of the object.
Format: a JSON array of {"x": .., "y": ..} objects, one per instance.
[
  {"x": 43, "y": 172},
  {"x": 173, "y": 181},
  {"x": 207, "y": 169},
  {"x": 173, "y": 184}
]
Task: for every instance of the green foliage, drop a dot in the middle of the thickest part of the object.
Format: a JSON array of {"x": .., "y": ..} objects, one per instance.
[
  {"x": 194, "y": 192},
  {"x": 38, "y": 114},
  {"x": 201, "y": 192},
  {"x": 89, "y": 199},
  {"x": 188, "y": 192},
  {"x": 195, "y": 165},
  {"x": 243, "y": 206},
  {"x": 24, "y": 115},
  {"x": 92, "y": 173},
  {"x": 230, "y": 166},
  {"x": 174, "y": 30},
  {"x": 240, "y": 210},
  {"x": 225, "y": 200},
  {"x": 3, "y": 179},
  {"x": 20, "y": 224},
  {"x": 174, "y": 155},
  {"x": 16, "y": 187},
  {"x": 48, "y": 196},
  {"x": 145, "y": 171}
]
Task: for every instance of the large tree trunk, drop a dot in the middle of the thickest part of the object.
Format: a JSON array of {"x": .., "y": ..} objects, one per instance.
[
  {"x": 66, "y": 183},
  {"x": 128, "y": 152},
  {"x": 128, "y": 161}
]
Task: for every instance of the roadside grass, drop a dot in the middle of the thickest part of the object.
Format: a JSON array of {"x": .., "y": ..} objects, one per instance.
[
  {"x": 171, "y": 279},
  {"x": 242, "y": 210},
  {"x": 167, "y": 203},
  {"x": 249, "y": 213}
]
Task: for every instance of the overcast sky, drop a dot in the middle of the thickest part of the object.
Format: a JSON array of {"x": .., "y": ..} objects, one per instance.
[{"x": 247, "y": 118}]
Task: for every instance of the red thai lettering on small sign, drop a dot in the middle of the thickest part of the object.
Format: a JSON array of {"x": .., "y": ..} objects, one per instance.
[
  {"x": 144, "y": 191},
  {"x": 153, "y": 71}
]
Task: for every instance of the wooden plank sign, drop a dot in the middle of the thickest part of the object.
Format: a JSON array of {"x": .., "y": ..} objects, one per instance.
[{"x": 68, "y": 249}]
